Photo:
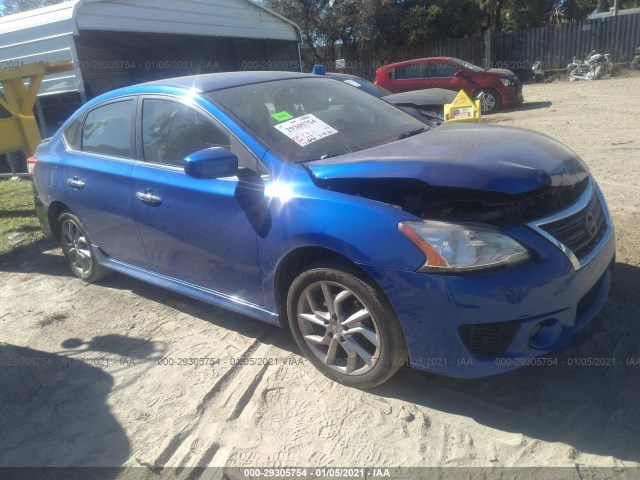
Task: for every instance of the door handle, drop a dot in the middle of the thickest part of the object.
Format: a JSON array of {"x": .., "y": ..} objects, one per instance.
[
  {"x": 148, "y": 197},
  {"x": 76, "y": 183}
]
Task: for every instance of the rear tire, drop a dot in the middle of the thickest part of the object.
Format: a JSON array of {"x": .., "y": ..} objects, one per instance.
[
  {"x": 345, "y": 325},
  {"x": 77, "y": 249},
  {"x": 490, "y": 100}
]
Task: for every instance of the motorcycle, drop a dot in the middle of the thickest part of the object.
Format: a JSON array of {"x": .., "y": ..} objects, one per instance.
[
  {"x": 594, "y": 67},
  {"x": 540, "y": 76}
]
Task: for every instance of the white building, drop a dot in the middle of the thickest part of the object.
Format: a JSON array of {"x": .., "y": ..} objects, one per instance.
[{"x": 121, "y": 42}]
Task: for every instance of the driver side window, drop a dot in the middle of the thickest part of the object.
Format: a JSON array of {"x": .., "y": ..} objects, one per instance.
[
  {"x": 441, "y": 69},
  {"x": 172, "y": 131}
]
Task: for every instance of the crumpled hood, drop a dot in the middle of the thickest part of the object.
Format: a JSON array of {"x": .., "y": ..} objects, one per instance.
[
  {"x": 502, "y": 72},
  {"x": 480, "y": 157},
  {"x": 430, "y": 96}
]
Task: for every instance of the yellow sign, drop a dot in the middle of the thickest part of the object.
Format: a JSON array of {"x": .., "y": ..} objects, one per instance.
[
  {"x": 462, "y": 110},
  {"x": 20, "y": 131}
]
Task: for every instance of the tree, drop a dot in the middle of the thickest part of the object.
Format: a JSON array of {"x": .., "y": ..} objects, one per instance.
[
  {"x": 572, "y": 10},
  {"x": 306, "y": 14},
  {"x": 507, "y": 15},
  {"x": 428, "y": 20},
  {"x": 343, "y": 28},
  {"x": 379, "y": 31},
  {"x": 519, "y": 14},
  {"x": 9, "y": 7}
]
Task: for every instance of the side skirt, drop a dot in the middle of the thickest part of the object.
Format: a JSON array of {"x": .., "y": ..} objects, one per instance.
[{"x": 218, "y": 299}]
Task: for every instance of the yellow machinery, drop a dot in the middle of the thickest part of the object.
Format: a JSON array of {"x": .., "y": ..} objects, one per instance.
[
  {"x": 462, "y": 110},
  {"x": 20, "y": 131}
]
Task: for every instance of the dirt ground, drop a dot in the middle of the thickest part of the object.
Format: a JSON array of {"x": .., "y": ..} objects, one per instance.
[{"x": 124, "y": 373}]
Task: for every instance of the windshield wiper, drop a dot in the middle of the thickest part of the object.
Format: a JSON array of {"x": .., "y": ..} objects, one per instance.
[
  {"x": 410, "y": 133},
  {"x": 328, "y": 155}
]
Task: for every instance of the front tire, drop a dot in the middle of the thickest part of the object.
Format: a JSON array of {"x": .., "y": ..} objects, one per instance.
[
  {"x": 76, "y": 246},
  {"x": 345, "y": 325},
  {"x": 490, "y": 100}
]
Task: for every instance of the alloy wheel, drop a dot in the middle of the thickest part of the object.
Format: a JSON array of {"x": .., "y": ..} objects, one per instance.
[
  {"x": 338, "y": 328},
  {"x": 488, "y": 101},
  {"x": 76, "y": 247}
]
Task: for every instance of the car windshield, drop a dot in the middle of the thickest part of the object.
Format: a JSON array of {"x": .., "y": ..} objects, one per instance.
[
  {"x": 307, "y": 119},
  {"x": 468, "y": 65},
  {"x": 366, "y": 86}
]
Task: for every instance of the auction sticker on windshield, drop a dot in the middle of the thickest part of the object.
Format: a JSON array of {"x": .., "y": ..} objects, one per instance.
[
  {"x": 306, "y": 130},
  {"x": 353, "y": 83}
]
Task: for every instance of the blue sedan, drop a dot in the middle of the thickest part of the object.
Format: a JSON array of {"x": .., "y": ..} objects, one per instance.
[{"x": 466, "y": 250}]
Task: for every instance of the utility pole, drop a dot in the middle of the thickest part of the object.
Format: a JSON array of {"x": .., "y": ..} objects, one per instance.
[{"x": 615, "y": 8}]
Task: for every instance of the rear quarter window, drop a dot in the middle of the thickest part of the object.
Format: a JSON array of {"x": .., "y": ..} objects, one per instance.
[{"x": 71, "y": 134}]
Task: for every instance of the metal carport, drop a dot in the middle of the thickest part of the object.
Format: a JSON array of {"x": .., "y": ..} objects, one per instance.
[{"x": 121, "y": 42}]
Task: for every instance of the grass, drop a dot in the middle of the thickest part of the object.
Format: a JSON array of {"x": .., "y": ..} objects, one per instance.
[{"x": 19, "y": 225}]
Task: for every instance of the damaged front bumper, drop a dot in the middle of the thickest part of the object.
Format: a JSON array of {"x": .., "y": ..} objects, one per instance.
[{"x": 481, "y": 324}]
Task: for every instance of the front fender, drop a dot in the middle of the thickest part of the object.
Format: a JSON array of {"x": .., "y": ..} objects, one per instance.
[{"x": 361, "y": 230}]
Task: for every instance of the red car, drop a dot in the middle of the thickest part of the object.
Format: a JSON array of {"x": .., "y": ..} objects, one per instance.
[{"x": 495, "y": 87}]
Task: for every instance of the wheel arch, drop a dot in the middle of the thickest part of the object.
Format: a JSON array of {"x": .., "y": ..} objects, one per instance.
[
  {"x": 390, "y": 346},
  {"x": 496, "y": 92},
  {"x": 294, "y": 263},
  {"x": 53, "y": 212}
]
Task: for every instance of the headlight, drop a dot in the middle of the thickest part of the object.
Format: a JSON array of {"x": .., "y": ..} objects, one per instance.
[
  {"x": 455, "y": 248},
  {"x": 507, "y": 82}
]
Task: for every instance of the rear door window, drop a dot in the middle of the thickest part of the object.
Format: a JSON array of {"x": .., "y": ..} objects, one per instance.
[{"x": 107, "y": 130}]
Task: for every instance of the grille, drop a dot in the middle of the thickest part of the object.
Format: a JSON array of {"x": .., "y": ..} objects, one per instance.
[
  {"x": 488, "y": 339},
  {"x": 573, "y": 231}
]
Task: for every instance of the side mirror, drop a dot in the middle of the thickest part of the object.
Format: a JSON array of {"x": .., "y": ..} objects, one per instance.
[
  {"x": 462, "y": 74},
  {"x": 215, "y": 162}
]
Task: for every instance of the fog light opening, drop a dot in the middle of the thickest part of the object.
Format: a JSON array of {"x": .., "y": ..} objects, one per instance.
[{"x": 545, "y": 333}]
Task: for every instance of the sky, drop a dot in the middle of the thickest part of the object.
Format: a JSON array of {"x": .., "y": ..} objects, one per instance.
[{"x": 3, "y": 3}]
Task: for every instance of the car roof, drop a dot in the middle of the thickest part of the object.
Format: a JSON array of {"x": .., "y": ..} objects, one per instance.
[
  {"x": 418, "y": 60},
  {"x": 219, "y": 81},
  {"x": 194, "y": 83}
]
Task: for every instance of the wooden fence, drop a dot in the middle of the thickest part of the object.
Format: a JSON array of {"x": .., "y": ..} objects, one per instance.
[{"x": 555, "y": 46}]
